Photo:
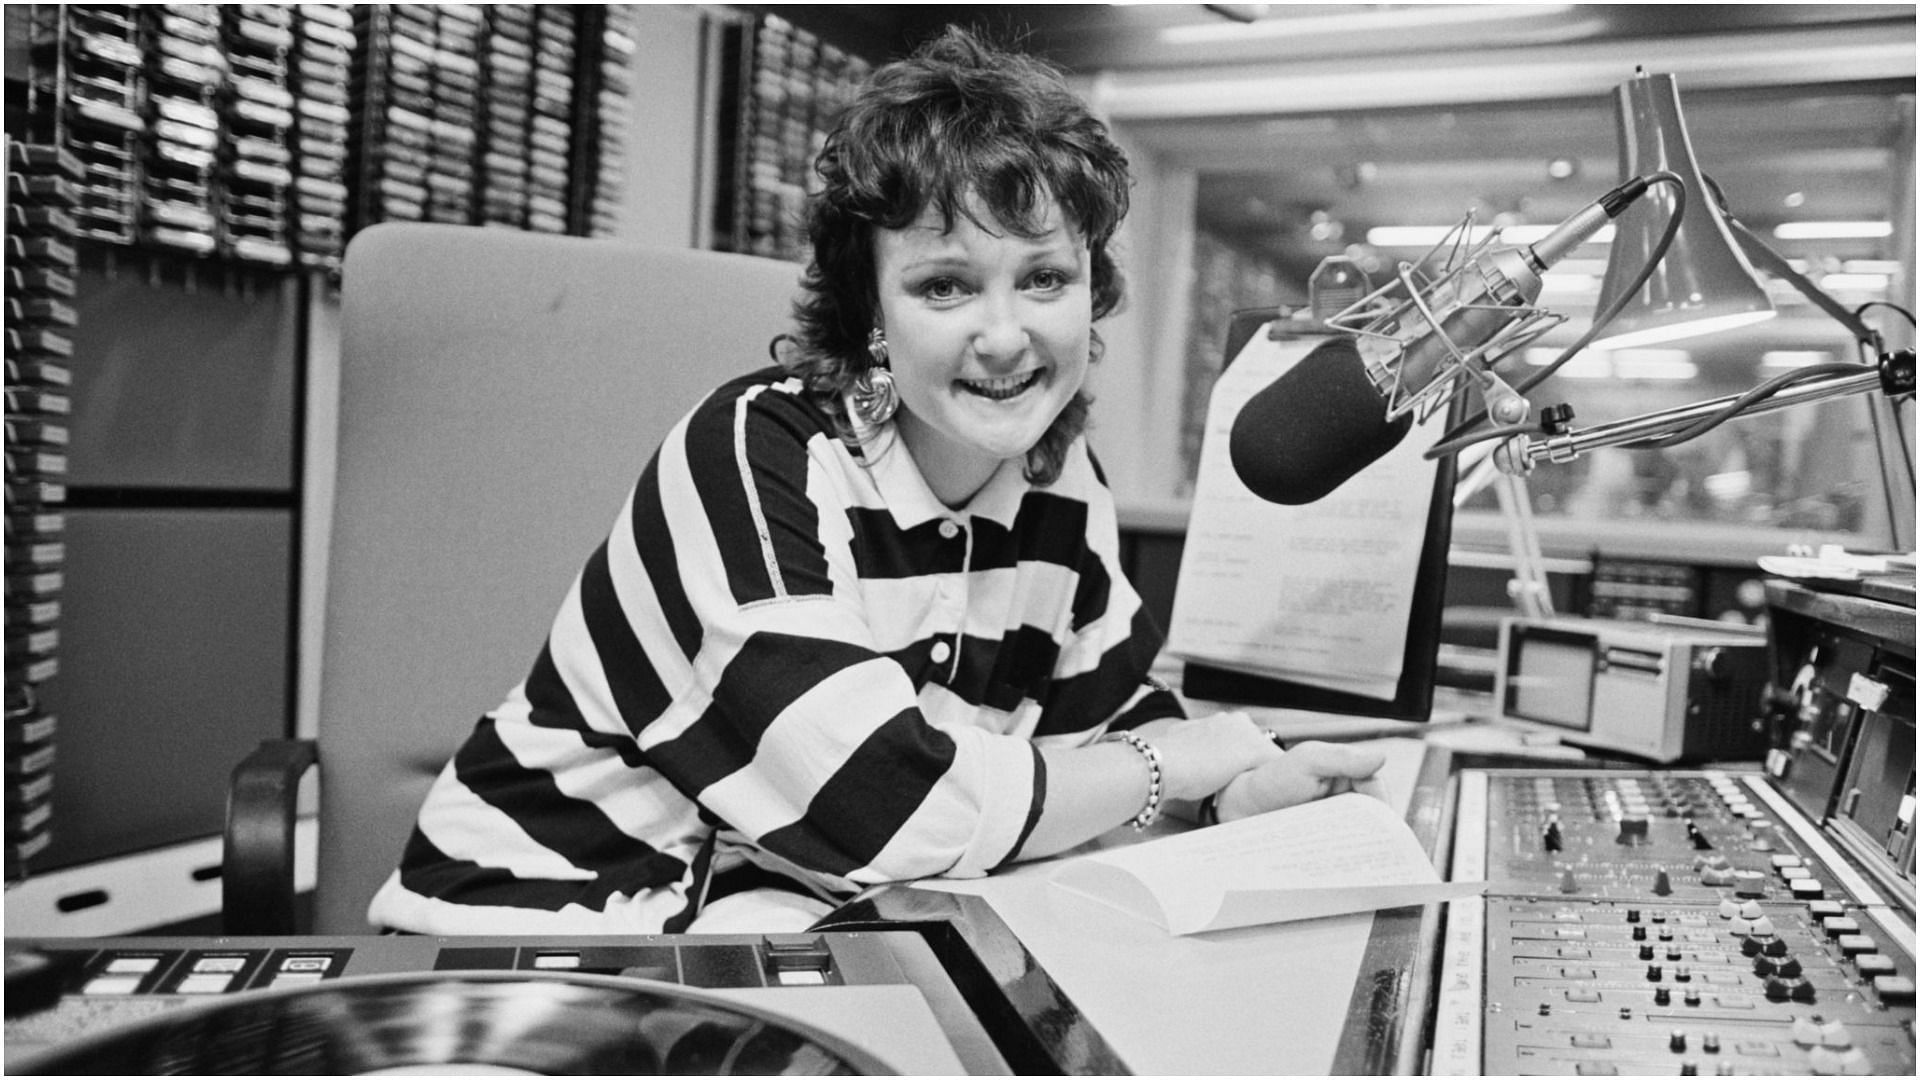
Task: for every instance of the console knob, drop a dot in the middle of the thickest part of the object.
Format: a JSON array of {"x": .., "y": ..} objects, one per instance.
[
  {"x": 1790, "y": 968},
  {"x": 1662, "y": 884},
  {"x": 1710, "y": 1042},
  {"x": 1551, "y": 839},
  {"x": 1568, "y": 884},
  {"x": 1639, "y": 933},
  {"x": 1711, "y": 662},
  {"x": 1662, "y": 996},
  {"x": 1646, "y": 952},
  {"x": 1677, "y": 1042},
  {"x": 1653, "y": 973},
  {"x": 1633, "y": 830}
]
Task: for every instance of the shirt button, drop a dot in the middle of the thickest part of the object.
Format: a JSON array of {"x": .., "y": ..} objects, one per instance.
[
  {"x": 948, "y": 530},
  {"x": 940, "y": 652}
]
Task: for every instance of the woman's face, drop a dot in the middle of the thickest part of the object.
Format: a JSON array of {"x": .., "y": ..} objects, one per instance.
[{"x": 989, "y": 335}]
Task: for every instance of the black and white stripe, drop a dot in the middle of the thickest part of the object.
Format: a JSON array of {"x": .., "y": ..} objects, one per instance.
[{"x": 794, "y": 639}]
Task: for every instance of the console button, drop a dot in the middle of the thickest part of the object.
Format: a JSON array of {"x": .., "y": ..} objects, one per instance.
[
  {"x": 1894, "y": 987},
  {"x": 1872, "y": 964},
  {"x": 1853, "y": 944}
]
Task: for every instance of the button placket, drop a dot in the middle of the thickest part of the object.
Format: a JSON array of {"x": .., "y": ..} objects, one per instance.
[{"x": 949, "y": 529}]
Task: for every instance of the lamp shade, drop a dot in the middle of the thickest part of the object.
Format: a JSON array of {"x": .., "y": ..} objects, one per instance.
[{"x": 1705, "y": 283}]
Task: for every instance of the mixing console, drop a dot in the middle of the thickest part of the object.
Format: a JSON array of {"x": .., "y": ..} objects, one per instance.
[{"x": 1662, "y": 922}]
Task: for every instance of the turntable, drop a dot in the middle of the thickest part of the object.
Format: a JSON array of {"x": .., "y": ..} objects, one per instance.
[
  {"x": 926, "y": 994},
  {"x": 503, "y": 1023}
]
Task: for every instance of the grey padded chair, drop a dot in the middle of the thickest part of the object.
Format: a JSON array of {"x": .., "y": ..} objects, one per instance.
[{"x": 499, "y": 393}]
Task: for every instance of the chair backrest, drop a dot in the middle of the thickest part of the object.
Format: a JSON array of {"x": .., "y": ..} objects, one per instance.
[{"x": 500, "y": 391}]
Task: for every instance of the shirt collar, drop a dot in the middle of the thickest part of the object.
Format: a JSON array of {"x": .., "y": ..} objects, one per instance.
[{"x": 906, "y": 493}]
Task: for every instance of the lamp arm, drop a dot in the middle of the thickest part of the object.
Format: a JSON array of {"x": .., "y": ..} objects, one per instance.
[
  {"x": 1894, "y": 377},
  {"x": 1773, "y": 263}
]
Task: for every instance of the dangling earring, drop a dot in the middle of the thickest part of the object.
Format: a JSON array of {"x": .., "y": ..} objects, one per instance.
[{"x": 875, "y": 397}]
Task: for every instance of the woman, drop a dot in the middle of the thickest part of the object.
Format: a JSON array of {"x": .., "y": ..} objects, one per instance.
[{"x": 862, "y": 618}]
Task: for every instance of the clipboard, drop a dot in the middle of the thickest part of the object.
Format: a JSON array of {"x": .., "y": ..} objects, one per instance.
[{"x": 1413, "y": 696}]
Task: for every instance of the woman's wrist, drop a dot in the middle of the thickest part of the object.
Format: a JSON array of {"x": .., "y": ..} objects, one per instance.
[
  {"x": 1150, "y": 810},
  {"x": 1228, "y": 804}
]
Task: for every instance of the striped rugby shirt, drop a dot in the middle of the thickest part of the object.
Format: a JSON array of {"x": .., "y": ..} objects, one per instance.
[{"x": 792, "y": 646}]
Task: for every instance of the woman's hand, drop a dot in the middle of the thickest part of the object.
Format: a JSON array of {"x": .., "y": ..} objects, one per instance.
[
  {"x": 1199, "y": 756},
  {"x": 1310, "y": 770}
]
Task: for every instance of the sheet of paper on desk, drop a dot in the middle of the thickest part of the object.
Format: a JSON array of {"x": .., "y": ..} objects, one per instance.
[
  {"x": 1319, "y": 593},
  {"x": 1333, "y": 856}
]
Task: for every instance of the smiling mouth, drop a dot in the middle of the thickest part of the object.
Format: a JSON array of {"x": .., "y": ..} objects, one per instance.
[{"x": 1002, "y": 389}]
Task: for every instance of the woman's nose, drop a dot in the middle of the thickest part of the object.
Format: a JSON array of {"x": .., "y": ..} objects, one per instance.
[{"x": 1001, "y": 335}]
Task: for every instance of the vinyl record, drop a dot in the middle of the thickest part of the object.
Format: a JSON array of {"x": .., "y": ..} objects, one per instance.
[{"x": 506, "y": 1023}]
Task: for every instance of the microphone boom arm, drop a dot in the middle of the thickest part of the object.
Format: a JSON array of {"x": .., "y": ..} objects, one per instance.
[{"x": 1894, "y": 377}]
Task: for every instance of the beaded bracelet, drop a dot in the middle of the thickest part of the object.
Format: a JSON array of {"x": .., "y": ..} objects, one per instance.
[
  {"x": 1151, "y": 812},
  {"x": 1208, "y": 812}
]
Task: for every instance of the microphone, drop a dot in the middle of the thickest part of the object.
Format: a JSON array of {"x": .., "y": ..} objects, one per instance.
[
  {"x": 1311, "y": 429},
  {"x": 1338, "y": 411}
]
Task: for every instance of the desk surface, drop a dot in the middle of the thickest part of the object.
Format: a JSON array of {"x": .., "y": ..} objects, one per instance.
[{"x": 1258, "y": 1000}]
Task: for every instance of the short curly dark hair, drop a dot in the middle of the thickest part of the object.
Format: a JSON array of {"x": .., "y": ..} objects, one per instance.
[{"x": 959, "y": 119}]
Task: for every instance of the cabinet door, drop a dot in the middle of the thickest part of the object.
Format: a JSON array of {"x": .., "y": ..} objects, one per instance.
[
  {"x": 173, "y": 664},
  {"x": 177, "y": 387}
]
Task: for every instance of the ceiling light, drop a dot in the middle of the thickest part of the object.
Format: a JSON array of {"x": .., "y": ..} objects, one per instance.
[
  {"x": 1854, "y": 282},
  {"x": 1528, "y": 234},
  {"x": 1426, "y": 236},
  {"x": 1356, "y": 23},
  {"x": 1420, "y": 236},
  {"x": 1784, "y": 359},
  {"x": 1832, "y": 230},
  {"x": 1569, "y": 283},
  {"x": 1670, "y": 365},
  {"x": 1586, "y": 365}
]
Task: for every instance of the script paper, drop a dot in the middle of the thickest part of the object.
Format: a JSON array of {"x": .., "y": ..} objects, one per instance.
[
  {"x": 1335, "y": 856},
  {"x": 1320, "y": 594}
]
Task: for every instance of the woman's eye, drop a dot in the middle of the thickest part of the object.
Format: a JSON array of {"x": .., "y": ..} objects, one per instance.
[
  {"x": 1048, "y": 280},
  {"x": 940, "y": 289}
]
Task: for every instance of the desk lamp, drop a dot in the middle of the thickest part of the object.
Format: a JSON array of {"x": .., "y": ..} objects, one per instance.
[{"x": 1706, "y": 282}]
